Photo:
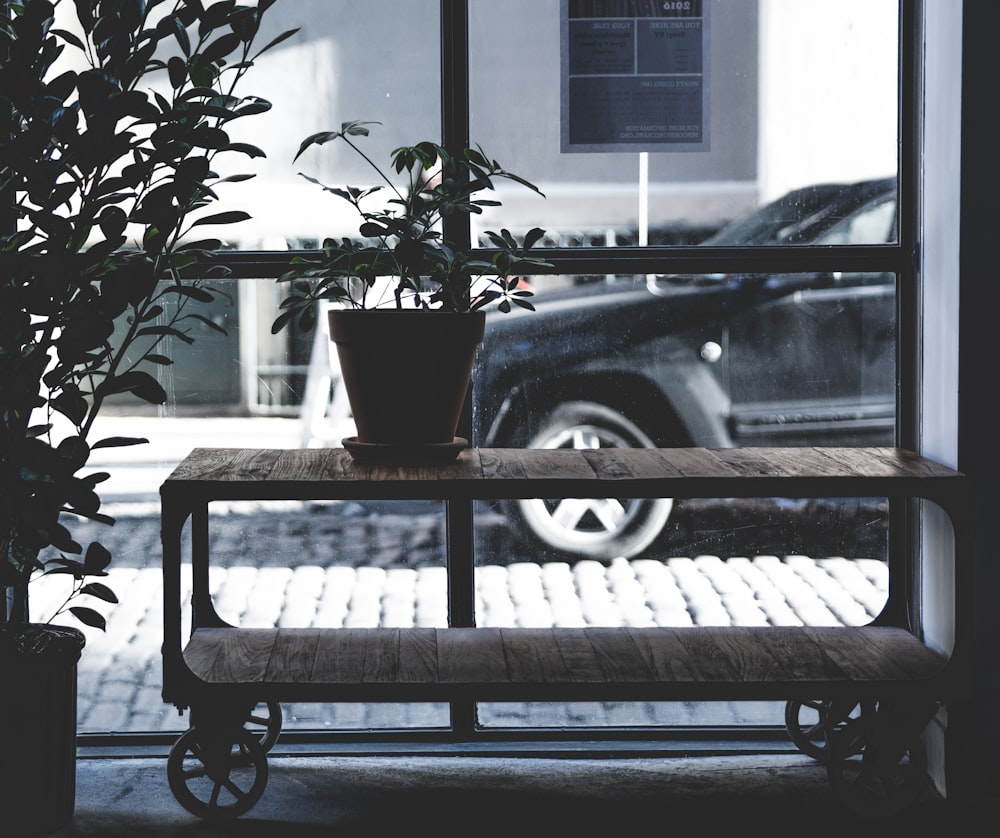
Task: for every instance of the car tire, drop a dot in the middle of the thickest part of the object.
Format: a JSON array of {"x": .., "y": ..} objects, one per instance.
[{"x": 604, "y": 528}]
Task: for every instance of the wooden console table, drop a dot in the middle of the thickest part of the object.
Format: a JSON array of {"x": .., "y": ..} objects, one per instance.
[{"x": 222, "y": 672}]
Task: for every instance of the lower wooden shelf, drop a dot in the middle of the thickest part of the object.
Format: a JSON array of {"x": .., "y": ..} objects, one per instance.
[{"x": 412, "y": 664}]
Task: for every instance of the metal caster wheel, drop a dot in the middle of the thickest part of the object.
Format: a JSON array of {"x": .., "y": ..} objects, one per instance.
[
  {"x": 265, "y": 722},
  {"x": 809, "y": 724},
  {"x": 214, "y": 781},
  {"x": 875, "y": 781}
]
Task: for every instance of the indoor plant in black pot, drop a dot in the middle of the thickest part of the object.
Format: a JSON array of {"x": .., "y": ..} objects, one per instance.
[
  {"x": 102, "y": 182},
  {"x": 406, "y": 346}
]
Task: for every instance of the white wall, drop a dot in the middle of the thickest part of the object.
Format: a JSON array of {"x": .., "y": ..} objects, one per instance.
[{"x": 828, "y": 133}]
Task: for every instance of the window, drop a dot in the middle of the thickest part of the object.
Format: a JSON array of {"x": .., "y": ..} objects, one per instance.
[{"x": 737, "y": 295}]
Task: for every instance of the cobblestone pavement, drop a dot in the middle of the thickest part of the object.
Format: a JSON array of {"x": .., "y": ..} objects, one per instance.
[
  {"x": 344, "y": 565},
  {"x": 120, "y": 676}
]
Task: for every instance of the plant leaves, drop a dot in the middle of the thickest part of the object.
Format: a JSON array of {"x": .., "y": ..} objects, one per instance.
[
  {"x": 89, "y": 617},
  {"x": 177, "y": 71},
  {"x": 231, "y": 217},
  {"x": 99, "y": 590},
  {"x": 118, "y": 442},
  {"x": 221, "y": 47},
  {"x": 245, "y": 148},
  {"x": 284, "y": 36},
  {"x": 207, "y": 321},
  {"x": 97, "y": 558},
  {"x": 140, "y": 384}
]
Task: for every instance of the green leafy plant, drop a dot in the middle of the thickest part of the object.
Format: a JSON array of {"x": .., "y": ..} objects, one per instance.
[
  {"x": 105, "y": 184},
  {"x": 402, "y": 238}
]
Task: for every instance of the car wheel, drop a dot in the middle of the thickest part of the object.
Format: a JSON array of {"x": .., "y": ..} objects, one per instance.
[{"x": 598, "y": 528}]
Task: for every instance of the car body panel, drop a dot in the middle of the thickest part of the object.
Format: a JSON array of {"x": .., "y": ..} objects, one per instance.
[{"x": 726, "y": 360}]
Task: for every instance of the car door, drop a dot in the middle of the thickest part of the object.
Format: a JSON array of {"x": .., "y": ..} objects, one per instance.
[{"x": 817, "y": 367}]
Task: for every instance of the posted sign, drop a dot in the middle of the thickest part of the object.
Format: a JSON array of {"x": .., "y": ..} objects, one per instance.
[{"x": 635, "y": 75}]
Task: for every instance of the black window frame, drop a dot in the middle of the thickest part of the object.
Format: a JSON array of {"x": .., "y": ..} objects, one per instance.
[{"x": 899, "y": 258}]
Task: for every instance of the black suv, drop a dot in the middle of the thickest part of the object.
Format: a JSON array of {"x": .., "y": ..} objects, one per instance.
[{"x": 713, "y": 361}]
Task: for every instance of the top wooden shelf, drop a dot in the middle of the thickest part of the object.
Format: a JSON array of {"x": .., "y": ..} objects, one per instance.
[{"x": 494, "y": 473}]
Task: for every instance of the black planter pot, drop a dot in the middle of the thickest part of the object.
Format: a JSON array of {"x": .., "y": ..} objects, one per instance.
[
  {"x": 38, "y": 708},
  {"x": 406, "y": 374}
]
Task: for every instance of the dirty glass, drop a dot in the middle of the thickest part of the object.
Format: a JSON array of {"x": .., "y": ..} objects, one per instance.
[{"x": 800, "y": 95}]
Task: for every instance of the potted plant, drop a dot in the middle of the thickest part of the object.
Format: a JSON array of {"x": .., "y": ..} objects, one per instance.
[
  {"x": 406, "y": 345},
  {"x": 104, "y": 188}
]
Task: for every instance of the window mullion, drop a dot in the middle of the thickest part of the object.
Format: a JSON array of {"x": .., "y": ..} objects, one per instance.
[
  {"x": 455, "y": 98},
  {"x": 701, "y": 260},
  {"x": 459, "y": 522}
]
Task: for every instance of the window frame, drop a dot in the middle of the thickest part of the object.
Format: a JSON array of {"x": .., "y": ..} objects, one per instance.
[{"x": 899, "y": 259}]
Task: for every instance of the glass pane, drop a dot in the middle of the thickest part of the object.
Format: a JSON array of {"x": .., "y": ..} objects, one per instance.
[
  {"x": 800, "y": 94},
  {"x": 317, "y": 80},
  {"x": 712, "y": 361},
  {"x": 285, "y": 564},
  {"x": 648, "y": 714},
  {"x": 721, "y": 360}
]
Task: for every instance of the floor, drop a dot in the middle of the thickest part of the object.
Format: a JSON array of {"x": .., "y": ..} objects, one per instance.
[{"x": 772, "y": 795}]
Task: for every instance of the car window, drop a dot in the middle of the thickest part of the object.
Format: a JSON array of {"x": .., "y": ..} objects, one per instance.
[
  {"x": 775, "y": 222},
  {"x": 875, "y": 223}
]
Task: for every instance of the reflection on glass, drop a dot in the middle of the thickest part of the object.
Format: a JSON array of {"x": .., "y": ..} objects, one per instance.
[
  {"x": 317, "y": 80},
  {"x": 799, "y": 94}
]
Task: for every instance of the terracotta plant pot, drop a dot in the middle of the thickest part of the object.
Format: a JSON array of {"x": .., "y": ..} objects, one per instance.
[{"x": 406, "y": 374}]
